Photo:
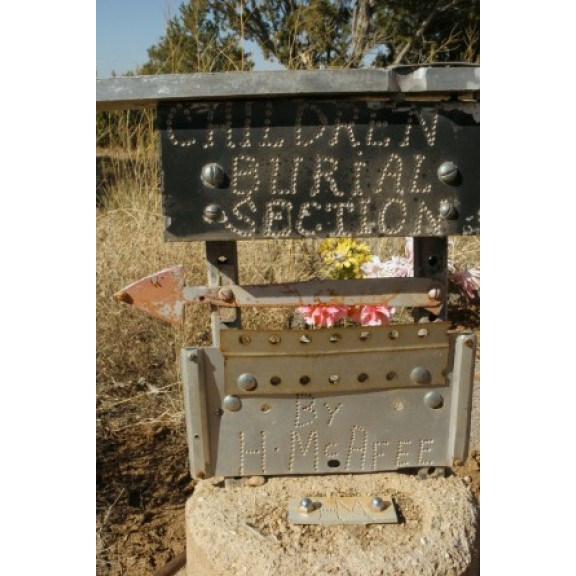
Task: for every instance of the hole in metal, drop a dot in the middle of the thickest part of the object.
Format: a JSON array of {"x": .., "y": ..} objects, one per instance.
[
  {"x": 244, "y": 339},
  {"x": 334, "y": 379},
  {"x": 333, "y": 463},
  {"x": 433, "y": 260},
  {"x": 422, "y": 333},
  {"x": 391, "y": 375},
  {"x": 393, "y": 334},
  {"x": 305, "y": 380},
  {"x": 431, "y": 470},
  {"x": 432, "y": 317},
  {"x": 201, "y": 298},
  {"x": 222, "y": 259},
  {"x": 265, "y": 408},
  {"x": 275, "y": 380},
  {"x": 196, "y": 437},
  {"x": 304, "y": 339},
  {"x": 335, "y": 337},
  {"x": 362, "y": 377},
  {"x": 274, "y": 339},
  {"x": 364, "y": 335}
]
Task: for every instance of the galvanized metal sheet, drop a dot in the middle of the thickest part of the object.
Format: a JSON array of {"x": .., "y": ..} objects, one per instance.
[
  {"x": 364, "y": 431},
  {"x": 319, "y": 168},
  {"x": 331, "y": 510},
  {"x": 145, "y": 91},
  {"x": 324, "y": 361}
]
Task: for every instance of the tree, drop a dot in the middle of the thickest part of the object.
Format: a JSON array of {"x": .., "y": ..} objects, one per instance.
[
  {"x": 197, "y": 41},
  {"x": 304, "y": 34}
]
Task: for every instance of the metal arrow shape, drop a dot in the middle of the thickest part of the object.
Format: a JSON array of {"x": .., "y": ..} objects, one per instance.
[{"x": 164, "y": 294}]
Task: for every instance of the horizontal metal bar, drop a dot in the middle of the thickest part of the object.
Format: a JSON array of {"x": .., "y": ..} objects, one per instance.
[{"x": 147, "y": 91}]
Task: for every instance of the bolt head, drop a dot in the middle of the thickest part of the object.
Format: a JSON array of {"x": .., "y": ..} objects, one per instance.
[
  {"x": 193, "y": 356},
  {"x": 306, "y": 506},
  {"x": 448, "y": 211},
  {"x": 434, "y": 400},
  {"x": 448, "y": 172},
  {"x": 435, "y": 293},
  {"x": 213, "y": 175},
  {"x": 232, "y": 403},
  {"x": 213, "y": 213},
  {"x": 420, "y": 375},
  {"x": 226, "y": 294},
  {"x": 247, "y": 382},
  {"x": 377, "y": 504}
]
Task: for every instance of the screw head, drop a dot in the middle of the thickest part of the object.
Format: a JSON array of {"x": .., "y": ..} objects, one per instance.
[
  {"x": 420, "y": 375},
  {"x": 377, "y": 504},
  {"x": 232, "y": 403},
  {"x": 213, "y": 213},
  {"x": 247, "y": 382},
  {"x": 226, "y": 294},
  {"x": 213, "y": 175},
  {"x": 306, "y": 506},
  {"x": 448, "y": 211},
  {"x": 434, "y": 400},
  {"x": 448, "y": 172},
  {"x": 435, "y": 293}
]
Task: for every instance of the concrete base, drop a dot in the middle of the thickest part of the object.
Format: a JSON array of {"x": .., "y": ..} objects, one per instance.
[{"x": 245, "y": 530}]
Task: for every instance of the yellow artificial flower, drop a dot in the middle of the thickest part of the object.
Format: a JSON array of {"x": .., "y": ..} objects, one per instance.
[{"x": 344, "y": 257}]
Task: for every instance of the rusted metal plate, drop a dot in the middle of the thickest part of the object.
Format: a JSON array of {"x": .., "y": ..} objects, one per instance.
[
  {"x": 351, "y": 432},
  {"x": 164, "y": 294},
  {"x": 319, "y": 168},
  {"x": 353, "y": 359},
  {"x": 331, "y": 510}
]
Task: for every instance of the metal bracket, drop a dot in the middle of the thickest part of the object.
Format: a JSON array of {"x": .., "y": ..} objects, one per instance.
[{"x": 329, "y": 510}]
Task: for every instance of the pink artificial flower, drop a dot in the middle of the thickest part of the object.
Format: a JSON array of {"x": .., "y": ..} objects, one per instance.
[
  {"x": 469, "y": 280},
  {"x": 323, "y": 315},
  {"x": 374, "y": 268},
  {"x": 372, "y": 315}
]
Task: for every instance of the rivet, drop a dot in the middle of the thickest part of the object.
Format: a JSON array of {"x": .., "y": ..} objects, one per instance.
[
  {"x": 213, "y": 175},
  {"x": 226, "y": 294},
  {"x": 213, "y": 212},
  {"x": 377, "y": 504},
  {"x": 232, "y": 403},
  {"x": 447, "y": 210},
  {"x": 470, "y": 343},
  {"x": 448, "y": 172},
  {"x": 420, "y": 375},
  {"x": 435, "y": 293},
  {"x": 434, "y": 400},
  {"x": 247, "y": 382},
  {"x": 306, "y": 506}
]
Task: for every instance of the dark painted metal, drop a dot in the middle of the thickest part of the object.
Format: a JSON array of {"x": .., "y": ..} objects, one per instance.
[{"x": 321, "y": 168}]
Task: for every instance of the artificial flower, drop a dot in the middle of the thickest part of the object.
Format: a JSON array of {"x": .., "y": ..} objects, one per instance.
[
  {"x": 343, "y": 258},
  {"x": 323, "y": 315},
  {"x": 372, "y": 315}
]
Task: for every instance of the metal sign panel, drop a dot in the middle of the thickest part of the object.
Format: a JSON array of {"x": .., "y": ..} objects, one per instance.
[
  {"x": 325, "y": 433},
  {"x": 354, "y": 359},
  {"x": 319, "y": 168}
]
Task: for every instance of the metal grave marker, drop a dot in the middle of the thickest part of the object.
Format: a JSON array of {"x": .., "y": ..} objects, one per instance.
[{"x": 293, "y": 155}]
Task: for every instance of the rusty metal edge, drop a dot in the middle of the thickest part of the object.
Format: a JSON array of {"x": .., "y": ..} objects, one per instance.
[{"x": 135, "y": 92}]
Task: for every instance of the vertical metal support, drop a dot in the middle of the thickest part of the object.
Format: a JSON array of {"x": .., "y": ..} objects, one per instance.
[
  {"x": 195, "y": 403},
  {"x": 222, "y": 264},
  {"x": 431, "y": 261},
  {"x": 462, "y": 385}
]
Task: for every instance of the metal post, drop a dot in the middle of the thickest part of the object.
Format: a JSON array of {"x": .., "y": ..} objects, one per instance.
[{"x": 222, "y": 265}]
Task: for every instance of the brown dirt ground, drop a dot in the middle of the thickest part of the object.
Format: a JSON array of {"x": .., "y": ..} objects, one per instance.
[{"x": 143, "y": 480}]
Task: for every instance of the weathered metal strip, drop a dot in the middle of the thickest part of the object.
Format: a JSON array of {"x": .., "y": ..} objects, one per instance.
[
  {"x": 319, "y": 168},
  {"x": 333, "y": 510},
  {"x": 319, "y": 434},
  {"x": 192, "y": 363},
  {"x": 163, "y": 295},
  {"x": 147, "y": 91},
  {"x": 354, "y": 359}
]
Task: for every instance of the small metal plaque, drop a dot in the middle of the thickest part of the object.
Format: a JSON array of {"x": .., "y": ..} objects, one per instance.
[
  {"x": 330, "y": 510},
  {"x": 319, "y": 168},
  {"x": 324, "y": 361},
  {"x": 236, "y": 435}
]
